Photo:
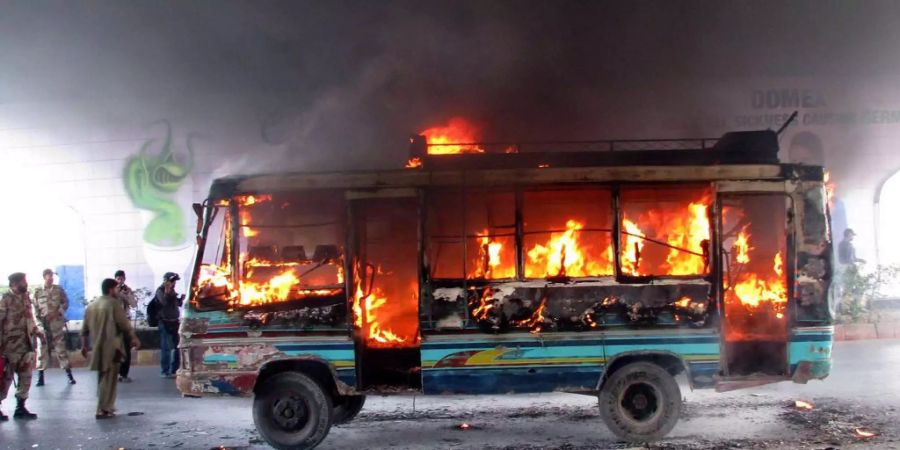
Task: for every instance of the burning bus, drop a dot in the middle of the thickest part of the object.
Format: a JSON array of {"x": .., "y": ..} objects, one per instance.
[{"x": 602, "y": 268}]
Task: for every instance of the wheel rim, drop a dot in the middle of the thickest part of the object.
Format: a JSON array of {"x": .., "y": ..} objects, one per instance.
[
  {"x": 640, "y": 402},
  {"x": 290, "y": 413}
]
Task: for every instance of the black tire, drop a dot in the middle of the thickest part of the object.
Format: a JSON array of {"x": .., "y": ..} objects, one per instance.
[
  {"x": 292, "y": 412},
  {"x": 346, "y": 408},
  {"x": 640, "y": 402}
]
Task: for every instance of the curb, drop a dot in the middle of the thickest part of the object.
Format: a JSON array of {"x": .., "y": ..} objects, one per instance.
[
  {"x": 866, "y": 331},
  {"x": 138, "y": 358}
]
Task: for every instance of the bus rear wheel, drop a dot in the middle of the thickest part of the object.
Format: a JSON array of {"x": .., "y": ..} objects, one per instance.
[
  {"x": 292, "y": 412},
  {"x": 640, "y": 402},
  {"x": 346, "y": 407}
]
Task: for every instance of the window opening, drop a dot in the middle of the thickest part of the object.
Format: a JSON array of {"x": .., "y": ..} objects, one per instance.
[
  {"x": 568, "y": 233},
  {"x": 665, "y": 231}
]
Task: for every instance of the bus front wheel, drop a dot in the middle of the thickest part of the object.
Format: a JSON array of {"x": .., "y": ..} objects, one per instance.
[
  {"x": 346, "y": 407},
  {"x": 640, "y": 402},
  {"x": 292, "y": 411}
]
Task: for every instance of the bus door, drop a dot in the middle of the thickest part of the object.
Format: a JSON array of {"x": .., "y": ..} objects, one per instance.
[
  {"x": 385, "y": 283},
  {"x": 754, "y": 258}
]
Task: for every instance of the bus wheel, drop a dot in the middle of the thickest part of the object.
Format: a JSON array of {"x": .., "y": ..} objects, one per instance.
[
  {"x": 640, "y": 402},
  {"x": 292, "y": 412},
  {"x": 346, "y": 407}
]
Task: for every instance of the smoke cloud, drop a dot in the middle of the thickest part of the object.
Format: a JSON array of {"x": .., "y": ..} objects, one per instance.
[{"x": 340, "y": 84}]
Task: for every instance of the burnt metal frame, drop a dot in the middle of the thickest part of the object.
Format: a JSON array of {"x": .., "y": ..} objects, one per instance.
[{"x": 616, "y": 213}]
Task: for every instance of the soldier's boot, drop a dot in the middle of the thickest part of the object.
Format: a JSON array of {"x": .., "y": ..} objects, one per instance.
[
  {"x": 3, "y": 417},
  {"x": 40, "y": 381},
  {"x": 69, "y": 374},
  {"x": 21, "y": 412}
]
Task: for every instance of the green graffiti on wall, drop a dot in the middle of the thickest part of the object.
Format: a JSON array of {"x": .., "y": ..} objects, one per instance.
[{"x": 152, "y": 180}]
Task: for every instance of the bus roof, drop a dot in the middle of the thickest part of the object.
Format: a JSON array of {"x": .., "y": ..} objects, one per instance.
[
  {"x": 418, "y": 178},
  {"x": 741, "y": 155}
]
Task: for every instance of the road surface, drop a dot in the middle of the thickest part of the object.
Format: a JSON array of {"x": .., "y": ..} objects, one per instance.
[{"x": 863, "y": 391}]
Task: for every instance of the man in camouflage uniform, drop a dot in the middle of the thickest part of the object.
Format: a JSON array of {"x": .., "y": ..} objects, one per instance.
[
  {"x": 50, "y": 305},
  {"x": 17, "y": 332}
]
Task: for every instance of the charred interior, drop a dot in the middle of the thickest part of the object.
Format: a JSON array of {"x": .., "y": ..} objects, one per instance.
[
  {"x": 546, "y": 258},
  {"x": 289, "y": 262}
]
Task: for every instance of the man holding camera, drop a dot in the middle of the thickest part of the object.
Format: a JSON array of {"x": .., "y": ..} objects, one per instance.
[{"x": 169, "y": 319}]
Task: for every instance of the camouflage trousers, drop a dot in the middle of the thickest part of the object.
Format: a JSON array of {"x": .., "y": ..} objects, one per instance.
[
  {"x": 56, "y": 336},
  {"x": 21, "y": 365}
]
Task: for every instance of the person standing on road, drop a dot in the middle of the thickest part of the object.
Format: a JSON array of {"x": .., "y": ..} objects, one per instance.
[
  {"x": 107, "y": 327},
  {"x": 169, "y": 319},
  {"x": 50, "y": 305},
  {"x": 846, "y": 250},
  {"x": 847, "y": 273},
  {"x": 126, "y": 296},
  {"x": 18, "y": 329}
]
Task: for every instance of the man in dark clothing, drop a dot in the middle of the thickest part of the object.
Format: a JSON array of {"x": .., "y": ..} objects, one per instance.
[
  {"x": 846, "y": 251},
  {"x": 169, "y": 314}
]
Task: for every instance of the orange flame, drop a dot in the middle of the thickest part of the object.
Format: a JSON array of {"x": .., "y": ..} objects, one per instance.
[
  {"x": 366, "y": 316},
  {"x": 829, "y": 189},
  {"x": 457, "y": 131},
  {"x": 754, "y": 289},
  {"x": 631, "y": 251},
  {"x": 691, "y": 236},
  {"x": 778, "y": 265},
  {"x": 802, "y": 404},
  {"x": 485, "y": 306},
  {"x": 742, "y": 246},
  {"x": 246, "y": 201},
  {"x": 490, "y": 262},
  {"x": 537, "y": 318},
  {"x": 414, "y": 163},
  {"x": 564, "y": 256}
]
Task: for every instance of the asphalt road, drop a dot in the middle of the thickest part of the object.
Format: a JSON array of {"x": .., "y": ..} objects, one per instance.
[{"x": 863, "y": 391}]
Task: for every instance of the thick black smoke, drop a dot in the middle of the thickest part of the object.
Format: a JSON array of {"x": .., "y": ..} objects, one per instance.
[{"x": 342, "y": 83}]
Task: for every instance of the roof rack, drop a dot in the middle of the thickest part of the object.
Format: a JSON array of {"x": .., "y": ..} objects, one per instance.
[{"x": 741, "y": 147}]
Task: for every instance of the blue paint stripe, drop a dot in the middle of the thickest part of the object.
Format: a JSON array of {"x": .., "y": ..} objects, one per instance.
[
  {"x": 497, "y": 381},
  {"x": 337, "y": 355},
  {"x": 219, "y": 358},
  {"x": 812, "y": 337},
  {"x": 681, "y": 349}
]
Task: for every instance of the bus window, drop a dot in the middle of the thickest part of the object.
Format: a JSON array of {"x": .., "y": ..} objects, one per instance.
[
  {"x": 568, "y": 232},
  {"x": 490, "y": 229},
  {"x": 665, "y": 231},
  {"x": 214, "y": 286},
  {"x": 289, "y": 250},
  {"x": 445, "y": 256},
  {"x": 471, "y": 235}
]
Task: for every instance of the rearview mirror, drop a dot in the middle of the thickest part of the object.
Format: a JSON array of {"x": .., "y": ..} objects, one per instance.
[{"x": 198, "y": 211}]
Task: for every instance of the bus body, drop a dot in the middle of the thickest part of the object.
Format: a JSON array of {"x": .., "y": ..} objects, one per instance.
[{"x": 487, "y": 275}]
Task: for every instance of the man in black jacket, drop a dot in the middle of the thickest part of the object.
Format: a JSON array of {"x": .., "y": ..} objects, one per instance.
[{"x": 169, "y": 314}]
